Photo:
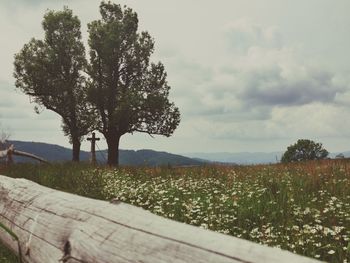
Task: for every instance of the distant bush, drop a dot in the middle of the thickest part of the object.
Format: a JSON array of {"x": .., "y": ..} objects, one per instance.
[{"x": 304, "y": 150}]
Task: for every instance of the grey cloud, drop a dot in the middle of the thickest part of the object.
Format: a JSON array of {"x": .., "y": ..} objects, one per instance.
[
  {"x": 242, "y": 130},
  {"x": 271, "y": 88},
  {"x": 188, "y": 70},
  {"x": 185, "y": 77},
  {"x": 243, "y": 34},
  {"x": 6, "y": 114},
  {"x": 34, "y": 2},
  {"x": 4, "y": 102},
  {"x": 225, "y": 108},
  {"x": 231, "y": 95},
  {"x": 6, "y": 95},
  {"x": 13, "y": 104},
  {"x": 166, "y": 52}
]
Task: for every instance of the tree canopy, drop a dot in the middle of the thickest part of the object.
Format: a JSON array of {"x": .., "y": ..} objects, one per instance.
[
  {"x": 129, "y": 92},
  {"x": 50, "y": 71},
  {"x": 122, "y": 92},
  {"x": 304, "y": 150}
]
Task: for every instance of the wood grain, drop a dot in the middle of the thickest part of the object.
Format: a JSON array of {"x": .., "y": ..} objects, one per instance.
[{"x": 54, "y": 226}]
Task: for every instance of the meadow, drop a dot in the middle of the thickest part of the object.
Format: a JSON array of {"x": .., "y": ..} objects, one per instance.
[{"x": 300, "y": 207}]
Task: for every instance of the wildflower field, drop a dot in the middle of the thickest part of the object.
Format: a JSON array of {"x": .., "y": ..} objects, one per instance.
[{"x": 302, "y": 207}]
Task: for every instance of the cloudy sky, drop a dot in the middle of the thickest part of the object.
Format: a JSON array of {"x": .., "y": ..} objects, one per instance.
[{"x": 247, "y": 75}]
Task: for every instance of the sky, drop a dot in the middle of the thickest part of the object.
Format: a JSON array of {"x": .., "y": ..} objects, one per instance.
[{"x": 247, "y": 75}]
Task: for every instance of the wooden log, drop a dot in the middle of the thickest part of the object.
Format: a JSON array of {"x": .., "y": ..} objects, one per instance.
[
  {"x": 11, "y": 151},
  {"x": 54, "y": 226},
  {"x": 29, "y": 155},
  {"x": 9, "y": 159},
  {"x": 3, "y": 154}
]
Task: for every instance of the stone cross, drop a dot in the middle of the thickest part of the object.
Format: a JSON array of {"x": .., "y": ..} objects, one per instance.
[{"x": 93, "y": 140}]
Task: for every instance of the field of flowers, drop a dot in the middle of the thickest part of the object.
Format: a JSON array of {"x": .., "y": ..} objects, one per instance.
[{"x": 303, "y": 208}]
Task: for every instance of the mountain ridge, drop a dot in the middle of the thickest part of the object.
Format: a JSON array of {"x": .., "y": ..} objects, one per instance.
[
  {"x": 143, "y": 157},
  {"x": 247, "y": 157},
  {"x": 148, "y": 157}
]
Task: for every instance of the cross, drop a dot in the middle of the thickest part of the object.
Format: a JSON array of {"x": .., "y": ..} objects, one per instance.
[{"x": 93, "y": 140}]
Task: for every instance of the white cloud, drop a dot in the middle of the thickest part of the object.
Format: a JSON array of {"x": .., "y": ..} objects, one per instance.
[
  {"x": 265, "y": 91},
  {"x": 239, "y": 83}
]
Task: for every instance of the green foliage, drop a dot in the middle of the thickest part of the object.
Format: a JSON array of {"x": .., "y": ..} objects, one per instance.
[
  {"x": 7, "y": 255},
  {"x": 129, "y": 93},
  {"x": 301, "y": 207},
  {"x": 304, "y": 150},
  {"x": 68, "y": 177},
  {"x": 9, "y": 231},
  {"x": 50, "y": 72},
  {"x": 14, "y": 237}
]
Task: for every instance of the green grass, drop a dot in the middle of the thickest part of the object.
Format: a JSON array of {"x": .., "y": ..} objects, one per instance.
[
  {"x": 6, "y": 256},
  {"x": 304, "y": 208}
]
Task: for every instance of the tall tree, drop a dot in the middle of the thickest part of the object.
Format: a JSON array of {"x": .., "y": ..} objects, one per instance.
[
  {"x": 50, "y": 71},
  {"x": 304, "y": 150},
  {"x": 129, "y": 93}
]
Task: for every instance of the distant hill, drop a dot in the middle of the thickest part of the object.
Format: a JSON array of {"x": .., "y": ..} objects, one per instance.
[
  {"x": 56, "y": 153},
  {"x": 346, "y": 154},
  {"x": 247, "y": 157},
  {"x": 50, "y": 152},
  {"x": 238, "y": 158},
  {"x": 155, "y": 158}
]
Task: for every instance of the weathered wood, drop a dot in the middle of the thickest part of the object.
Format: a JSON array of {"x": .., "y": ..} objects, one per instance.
[
  {"x": 11, "y": 151},
  {"x": 9, "y": 158},
  {"x": 3, "y": 154},
  {"x": 25, "y": 154},
  {"x": 53, "y": 226}
]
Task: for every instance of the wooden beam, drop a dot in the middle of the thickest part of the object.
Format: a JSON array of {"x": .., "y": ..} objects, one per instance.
[
  {"x": 3, "y": 154},
  {"x": 53, "y": 226},
  {"x": 25, "y": 154},
  {"x": 11, "y": 151}
]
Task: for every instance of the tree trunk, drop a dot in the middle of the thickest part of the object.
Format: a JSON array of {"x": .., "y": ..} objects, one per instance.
[
  {"x": 76, "y": 149},
  {"x": 113, "y": 150}
]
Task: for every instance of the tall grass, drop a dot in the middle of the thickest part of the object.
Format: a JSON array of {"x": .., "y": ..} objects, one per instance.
[
  {"x": 303, "y": 207},
  {"x": 6, "y": 256}
]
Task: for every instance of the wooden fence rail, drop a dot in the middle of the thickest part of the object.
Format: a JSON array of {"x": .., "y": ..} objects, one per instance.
[
  {"x": 8, "y": 154},
  {"x": 54, "y": 226}
]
